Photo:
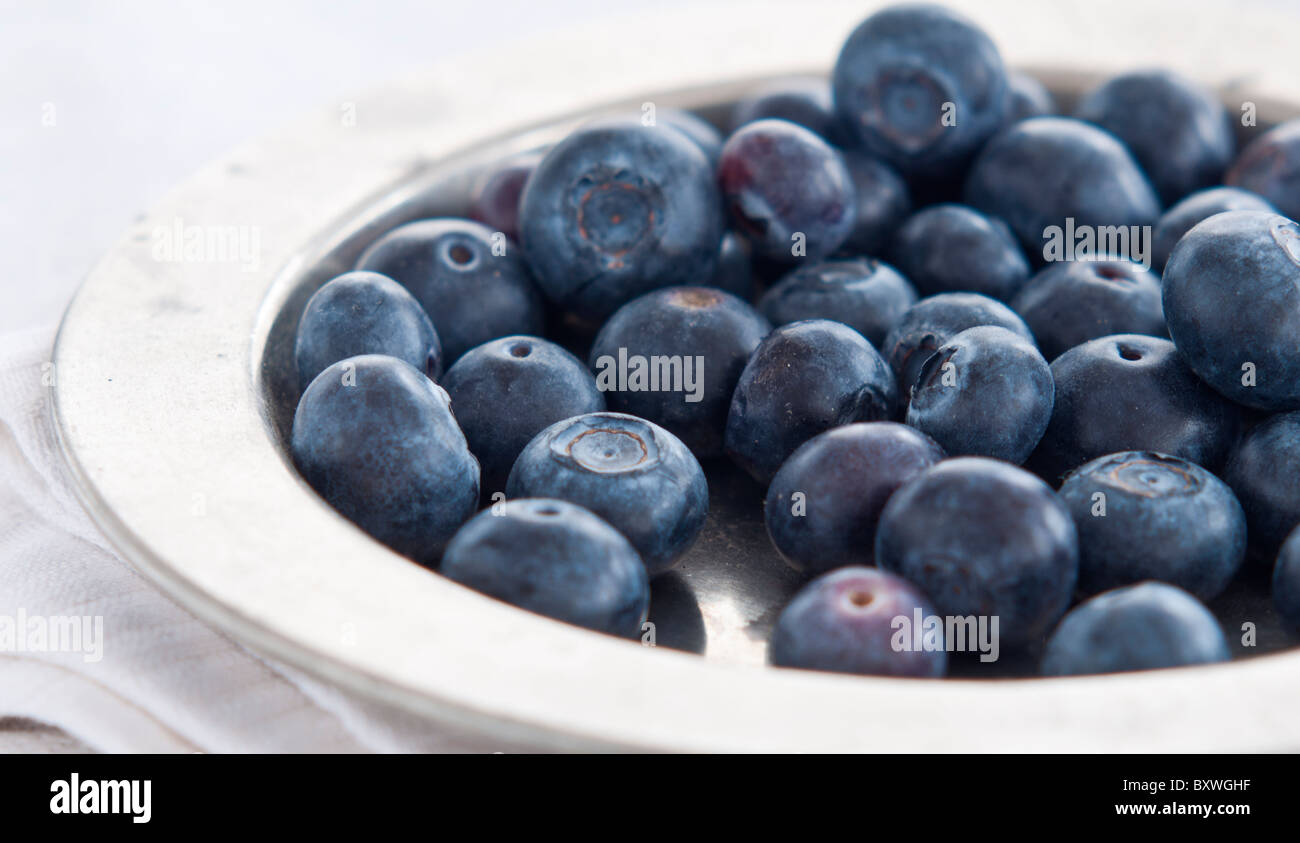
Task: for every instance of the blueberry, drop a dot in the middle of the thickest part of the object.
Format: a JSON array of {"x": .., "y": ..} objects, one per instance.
[
  {"x": 1148, "y": 516},
  {"x": 376, "y": 439},
  {"x": 932, "y": 321},
  {"x": 804, "y": 100},
  {"x": 1048, "y": 171},
  {"x": 920, "y": 86},
  {"x": 1177, "y": 130},
  {"x": 865, "y": 294},
  {"x": 494, "y": 199},
  {"x": 1139, "y": 627},
  {"x": 806, "y": 377},
  {"x": 631, "y": 472},
  {"x": 1270, "y": 166},
  {"x": 1286, "y": 583},
  {"x": 1264, "y": 472},
  {"x": 556, "y": 559},
  {"x": 735, "y": 272},
  {"x": 1027, "y": 97},
  {"x": 983, "y": 538},
  {"x": 1202, "y": 205},
  {"x": 364, "y": 313},
  {"x": 618, "y": 209},
  {"x": 845, "y": 622},
  {"x": 673, "y": 357},
  {"x": 1232, "y": 301},
  {"x": 882, "y": 201},
  {"x": 699, "y": 130},
  {"x": 508, "y": 390},
  {"x": 951, "y": 248},
  {"x": 1069, "y": 303},
  {"x": 985, "y": 392},
  {"x": 787, "y": 190},
  {"x": 824, "y": 502},
  {"x": 1131, "y": 393},
  {"x": 471, "y": 289}
]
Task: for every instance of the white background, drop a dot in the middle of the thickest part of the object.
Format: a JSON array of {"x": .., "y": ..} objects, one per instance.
[{"x": 146, "y": 91}]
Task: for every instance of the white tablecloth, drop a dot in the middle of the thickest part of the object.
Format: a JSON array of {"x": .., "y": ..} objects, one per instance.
[{"x": 164, "y": 681}]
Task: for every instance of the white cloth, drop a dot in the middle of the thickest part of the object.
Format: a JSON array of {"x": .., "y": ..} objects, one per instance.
[{"x": 165, "y": 682}]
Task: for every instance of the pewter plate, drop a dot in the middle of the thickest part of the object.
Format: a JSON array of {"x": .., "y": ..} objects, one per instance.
[{"x": 172, "y": 407}]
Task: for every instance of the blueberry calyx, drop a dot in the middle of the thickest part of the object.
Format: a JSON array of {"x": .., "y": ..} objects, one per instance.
[
  {"x": 697, "y": 298},
  {"x": 614, "y": 214},
  {"x": 1128, "y": 352},
  {"x": 614, "y": 446},
  {"x": 908, "y": 92},
  {"x": 1151, "y": 475},
  {"x": 858, "y": 599},
  {"x": 457, "y": 255}
]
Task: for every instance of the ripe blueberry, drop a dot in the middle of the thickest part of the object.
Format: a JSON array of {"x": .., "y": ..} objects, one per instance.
[
  {"x": 494, "y": 199},
  {"x": 1069, "y": 303},
  {"x": 1232, "y": 301},
  {"x": 1027, "y": 97},
  {"x": 508, "y": 390},
  {"x": 846, "y": 622},
  {"x": 804, "y": 378},
  {"x": 1148, "y": 516},
  {"x": 1131, "y": 393},
  {"x": 824, "y": 502},
  {"x": 1177, "y": 130},
  {"x": 1202, "y": 205},
  {"x": 699, "y": 130},
  {"x": 376, "y": 439},
  {"x": 1286, "y": 583},
  {"x": 1139, "y": 627},
  {"x": 882, "y": 201},
  {"x": 618, "y": 209},
  {"x": 933, "y": 321},
  {"x": 632, "y": 473},
  {"x": 364, "y": 313},
  {"x": 1270, "y": 167},
  {"x": 673, "y": 357},
  {"x": 983, "y": 538},
  {"x": 787, "y": 190},
  {"x": 471, "y": 290},
  {"x": 556, "y": 559},
  {"x": 951, "y": 248},
  {"x": 1264, "y": 472},
  {"x": 1046, "y": 171},
  {"x": 803, "y": 100},
  {"x": 920, "y": 86},
  {"x": 863, "y": 293},
  {"x": 735, "y": 272},
  {"x": 985, "y": 392}
]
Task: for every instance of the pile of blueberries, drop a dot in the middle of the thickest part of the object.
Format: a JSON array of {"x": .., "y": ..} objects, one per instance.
[{"x": 851, "y": 297}]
